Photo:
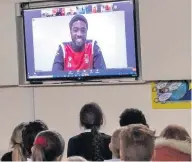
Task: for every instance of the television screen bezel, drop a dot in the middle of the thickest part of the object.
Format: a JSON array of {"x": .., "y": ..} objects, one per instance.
[{"x": 87, "y": 78}]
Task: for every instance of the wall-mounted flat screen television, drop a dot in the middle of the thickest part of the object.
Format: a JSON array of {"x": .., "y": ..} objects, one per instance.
[{"x": 81, "y": 41}]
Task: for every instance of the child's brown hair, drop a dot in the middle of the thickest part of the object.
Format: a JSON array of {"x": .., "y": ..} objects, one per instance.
[
  {"x": 48, "y": 146},
  {"x": 136, "y": 143},
  {"x": 175, "y": 132}
]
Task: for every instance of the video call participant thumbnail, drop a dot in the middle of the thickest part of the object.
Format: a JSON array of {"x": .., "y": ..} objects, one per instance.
[{"x": 80, "y": 53}]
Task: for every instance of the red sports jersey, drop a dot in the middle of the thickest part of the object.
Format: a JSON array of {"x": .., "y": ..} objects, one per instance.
[
  {"x": 107, "y": 8},
  {"x": 94, "y": 10},
  {"x": 78, "y": 60}
]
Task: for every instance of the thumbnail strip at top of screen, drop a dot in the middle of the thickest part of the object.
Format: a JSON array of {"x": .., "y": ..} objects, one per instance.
[{"x": 80, "y": 9}]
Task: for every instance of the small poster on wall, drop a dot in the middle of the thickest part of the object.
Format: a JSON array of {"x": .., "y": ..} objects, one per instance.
[{"x": 171, "y": 95}]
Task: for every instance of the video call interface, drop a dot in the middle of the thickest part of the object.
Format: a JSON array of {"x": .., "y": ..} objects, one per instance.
[{"x": 84, "y": 40}]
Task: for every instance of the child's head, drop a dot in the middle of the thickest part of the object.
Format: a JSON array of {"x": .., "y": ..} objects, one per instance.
[
  {"x": 29, "y": 133},
  {"x": 42, "y": 122},
  {"x": 115, "y": 143},
  {"x": 17, "y": 142},
  {"x": 48, "y": 146},
  {"x": 16, "y": 137},
  {"x": 175, "y": 132},
  {"x": 91, "y": 116},
  {"x": 76, "y": 158},
  {"x": 136, "y": 143},
  {"x": 132, "y": 116}
]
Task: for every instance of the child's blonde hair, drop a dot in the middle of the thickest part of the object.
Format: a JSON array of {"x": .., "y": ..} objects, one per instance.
[
  {"x": 115, "y": 142},
  {"x": 16, "y": 143},
  {"x": 76, "y": 158}
]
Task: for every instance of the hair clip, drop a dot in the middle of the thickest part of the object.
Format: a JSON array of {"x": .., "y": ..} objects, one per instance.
[{"x": 40, "y": 141}]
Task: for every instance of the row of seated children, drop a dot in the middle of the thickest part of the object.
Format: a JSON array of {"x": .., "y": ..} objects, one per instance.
[{"x": 133, "y": 141}]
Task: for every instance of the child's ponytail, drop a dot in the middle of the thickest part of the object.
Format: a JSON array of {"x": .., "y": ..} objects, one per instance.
[
  {"x": 48, "y": 146},
  {"x": 97, "y": 144},
  {"x": 38, "y": 153},
  {"x": 17, "y": 154}
]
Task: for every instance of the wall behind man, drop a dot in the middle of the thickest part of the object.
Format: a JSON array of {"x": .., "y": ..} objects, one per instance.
[{"x": 59, "y": 106}]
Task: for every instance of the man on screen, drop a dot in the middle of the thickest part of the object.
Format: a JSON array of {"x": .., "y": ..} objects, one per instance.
[{"x": 80, "y": 53}]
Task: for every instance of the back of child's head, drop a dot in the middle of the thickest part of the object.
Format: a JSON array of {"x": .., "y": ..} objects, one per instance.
[
  {"x": 175, "y": 132},
  {"x": 76, "y": 158},
  {"x": 48, "y": 146},
  {"x": 29, "y": 133},
  {"x": 132, "y": 116},
  {"x": 42, "y": 122},
  {"x": 137, "y": 143},
  {"x": 91, "y": 117},
  {"x": 115, "y": 142},
  {"x": 17, "y": 143},
  {"x": 16, "y": 137}
]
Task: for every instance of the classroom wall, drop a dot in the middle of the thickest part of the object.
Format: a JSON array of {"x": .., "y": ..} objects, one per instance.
[
  {"x": 59, "y": 106},
  {"x": 66, "y": 104}
]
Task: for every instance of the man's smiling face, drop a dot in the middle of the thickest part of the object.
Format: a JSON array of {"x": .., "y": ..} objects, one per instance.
[{"x": 79, "y": 33}]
